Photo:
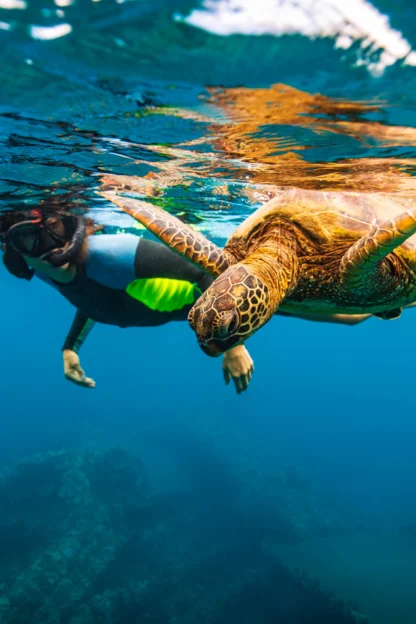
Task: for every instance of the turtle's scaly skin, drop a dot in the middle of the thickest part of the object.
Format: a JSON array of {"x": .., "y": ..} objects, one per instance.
[
  {"x": 360, "y": 260},
  {"x": 335, "y": 253},
  {"x": 193, "y": 245},
  {"x": 246, "y": 295}
]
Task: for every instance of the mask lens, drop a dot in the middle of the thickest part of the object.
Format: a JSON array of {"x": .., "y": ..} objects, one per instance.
[{"x": 24, "y": 238}]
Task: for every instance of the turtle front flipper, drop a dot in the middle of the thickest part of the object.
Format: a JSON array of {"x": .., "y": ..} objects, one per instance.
[
  {"x": 363, "y": 259},
  {"x": 175, "y": 234}
]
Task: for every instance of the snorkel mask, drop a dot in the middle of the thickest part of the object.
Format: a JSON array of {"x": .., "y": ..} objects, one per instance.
[{"x": 34, "y": 239}]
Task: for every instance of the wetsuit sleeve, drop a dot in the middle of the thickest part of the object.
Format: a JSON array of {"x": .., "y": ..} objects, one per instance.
[
  {"x": 80, "y": 328},
  {"x": 156, "y": 260}
]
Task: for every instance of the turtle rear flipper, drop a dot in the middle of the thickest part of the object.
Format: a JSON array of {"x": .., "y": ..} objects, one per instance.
[
  {"x": 175, "y": 234},
  {"x": 389, "y": 315}
]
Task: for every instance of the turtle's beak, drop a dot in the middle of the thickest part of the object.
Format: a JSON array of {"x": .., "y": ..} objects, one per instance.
[
  {"x": 211, "y": 348},
  {"x": 214, "y": 348}
]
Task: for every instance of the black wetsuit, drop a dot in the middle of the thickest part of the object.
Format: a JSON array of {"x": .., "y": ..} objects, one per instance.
[{"x": 129, "y": 281}]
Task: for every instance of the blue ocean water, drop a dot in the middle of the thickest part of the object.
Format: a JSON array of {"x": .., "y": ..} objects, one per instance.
[{"x": 293, "y": 502}]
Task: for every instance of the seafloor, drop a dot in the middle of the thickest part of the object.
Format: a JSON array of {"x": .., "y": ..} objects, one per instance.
[{"x": 84, "y": 541}]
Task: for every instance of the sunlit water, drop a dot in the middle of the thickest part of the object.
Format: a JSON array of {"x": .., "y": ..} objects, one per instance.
[{"x": 206, "y": 109}]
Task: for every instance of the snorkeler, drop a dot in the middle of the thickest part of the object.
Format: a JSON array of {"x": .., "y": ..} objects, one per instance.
[{"x": 121, "y": 280}]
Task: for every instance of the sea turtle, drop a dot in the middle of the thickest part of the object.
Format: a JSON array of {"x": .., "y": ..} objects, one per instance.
[{"x": 303, "y": 251}]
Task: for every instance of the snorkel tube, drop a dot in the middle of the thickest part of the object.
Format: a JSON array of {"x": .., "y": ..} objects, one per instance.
[{"x": 64, "y": 256}]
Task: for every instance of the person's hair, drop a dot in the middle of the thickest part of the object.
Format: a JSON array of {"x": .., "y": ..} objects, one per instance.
[{"x": 7, "y": 219}]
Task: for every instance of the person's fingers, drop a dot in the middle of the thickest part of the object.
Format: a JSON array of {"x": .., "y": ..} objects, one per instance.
[
  {"x": 83, "y": 379},
  {"x": 73, "y": 377},
  {"x": 244, "y": 383},
  {"x": 227, "y": 376},
  {"x": 240, "y": 383},
  {"x": 79, "y": 370},
  {"x": 88, "y": 382},
  {"x": 80, "y": 379}
]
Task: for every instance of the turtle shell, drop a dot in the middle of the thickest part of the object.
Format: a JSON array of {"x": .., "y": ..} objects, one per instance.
[{"x": 327, "y": 217}]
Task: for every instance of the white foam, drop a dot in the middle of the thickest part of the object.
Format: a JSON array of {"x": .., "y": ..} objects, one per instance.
[
  {"x": 13, "y": 4},
  {"x": 346, "y": 21},
  {"x": 410, "y": 59},
  {"x": 50, "y": 32}
]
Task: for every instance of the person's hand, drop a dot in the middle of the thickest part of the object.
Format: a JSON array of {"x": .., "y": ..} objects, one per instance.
[
  {"x": 73, "y": 371},
  {"x": 238, "y": 366}
]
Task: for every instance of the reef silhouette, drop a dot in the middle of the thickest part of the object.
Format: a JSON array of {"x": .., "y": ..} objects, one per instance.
[{"x": 84, "y": 541}]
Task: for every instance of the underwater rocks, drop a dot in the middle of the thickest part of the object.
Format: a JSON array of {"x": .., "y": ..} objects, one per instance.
[
  {"x": 63, "y": 521},
  {"x": 83, "y": 541},
  {"x": 284, "y": 504}
]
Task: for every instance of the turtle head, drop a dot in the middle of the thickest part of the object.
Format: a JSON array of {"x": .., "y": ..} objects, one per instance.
[{"x": 230, "y": 310}]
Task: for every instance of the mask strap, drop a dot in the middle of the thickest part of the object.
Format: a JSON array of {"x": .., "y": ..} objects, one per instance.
[{"x": 58, "y": 258}]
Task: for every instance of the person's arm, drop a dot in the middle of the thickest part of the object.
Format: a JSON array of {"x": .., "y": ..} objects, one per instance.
[
  {"x": 156, "y": 260},
  {"x": 80, "y": 328}
]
